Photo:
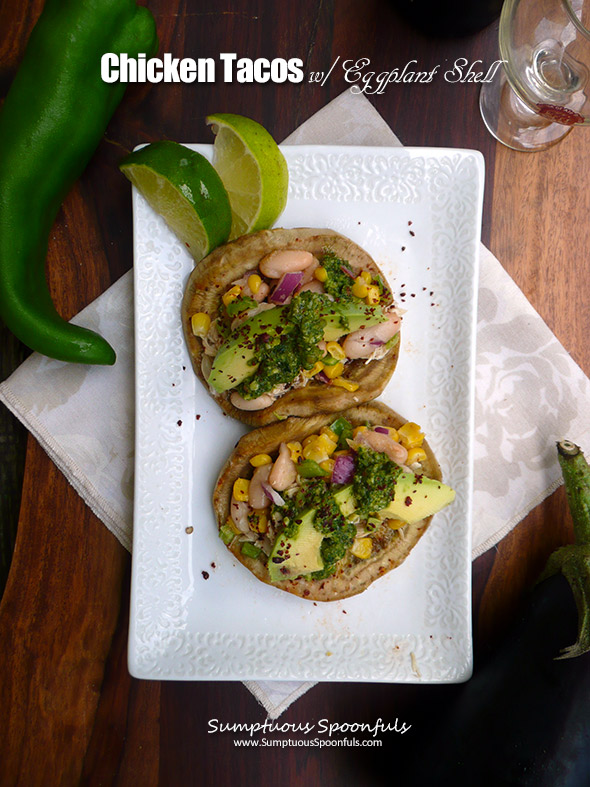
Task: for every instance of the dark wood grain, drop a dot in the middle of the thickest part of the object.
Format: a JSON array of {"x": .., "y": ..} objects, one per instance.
[{"x": 71, "y": 712}]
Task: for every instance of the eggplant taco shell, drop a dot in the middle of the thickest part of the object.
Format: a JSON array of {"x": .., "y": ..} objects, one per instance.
[
  {"x": 390, "y": 548},
  {"x": 212, "y": 277}
]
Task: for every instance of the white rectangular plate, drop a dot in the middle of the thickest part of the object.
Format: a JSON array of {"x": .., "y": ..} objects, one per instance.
[{"x": 198, "y": 614}]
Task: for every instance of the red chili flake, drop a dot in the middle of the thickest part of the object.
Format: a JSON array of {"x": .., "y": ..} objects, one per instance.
[
  {"x": 409, "y": 223},
  {"x": 408, "y": 501},
  {"x": 306, "y": 592},
  {"x": 198, "y": 417},
  {"x": 179, "y": 422},
  {"x": 563, "y": 115},
  {"x": 403, "y": 248},
  {"x": 205, "y": 574},
  {"x": 213, "y": 565},
  {"x": 412, "y": 233}
]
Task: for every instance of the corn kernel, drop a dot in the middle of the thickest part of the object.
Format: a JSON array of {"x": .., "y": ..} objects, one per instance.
[
  {"x": 260, "y": 459},
  {"x": 362, "y": 548},
  {"x": 324, "y": 443},
  {"x": 348, "y": 385},
  {"x": 200, "y": 323},
  {"x": 395, "y": 524},
  {"x": 321, "y": 274},
  {"x": 295, "y": 449},
  {"x": 329, "y": 433},
  {"x": 258, "y": 521},
  {"x": 373, "y": 296},
  {"x": 366, "y": 277},
  {"x": 359, "y": 288},
  {"x": 241, "y": 488},
  {"x": 334, "y": 371},
  {"x": 254, "y": 282},
  {"x": 231, "y": 295},
  {"x": 344, "y": 452},
  {"x": 316, "y": 368},
  {"x": 327, "y": 465},
  {"x": 393, "y": 433},
  {"x": 314, "y": 452},
  {"x": 336, "y": 351},
  {"x": 416, "y": 454},
  {"x": 358, "y": 430},
  {"x": 309, "y": 439},
  {"x": 410, "y": 435}
]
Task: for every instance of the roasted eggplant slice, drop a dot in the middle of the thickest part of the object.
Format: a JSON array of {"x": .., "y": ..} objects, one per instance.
[
  {"x": 323, "y": 506},
  {"x": 290, "y": 322}
]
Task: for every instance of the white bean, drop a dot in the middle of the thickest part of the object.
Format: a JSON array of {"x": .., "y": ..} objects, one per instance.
[
  {"x": 312, "y": 286},
  {"x": 278, "y": 262},
  {"x": 310, "y": 270},
  {"x": 257, "y": 497},
  {"x": 284, "y": 470},
  {"x": 383, "y": 444},
  {"x": 238, "y": 510},
  {"x": 261, "y": 292},
  {"x": 364, "y": 342},
  {"x": 251, "y": 404}
]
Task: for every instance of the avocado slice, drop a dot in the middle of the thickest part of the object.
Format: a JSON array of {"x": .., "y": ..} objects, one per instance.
[
  {"x": 295, "y": 557},
  {"x": 345, "y": 499},
  {"x": 417, "y": 497},
  {"x": 235, "y": 360},
  {"x": 343, "y": 318}
]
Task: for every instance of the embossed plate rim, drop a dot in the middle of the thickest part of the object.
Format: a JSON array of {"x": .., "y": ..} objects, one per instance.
[{"x": 170, "y": 635}]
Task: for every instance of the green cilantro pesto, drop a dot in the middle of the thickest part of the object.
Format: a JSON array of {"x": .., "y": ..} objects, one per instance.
[
  {"x": 339, "y": 534},
  {"x": 374, "y": 480},
  {"x": 282, "y": 356},
  {"x": 339, "y": 283}
]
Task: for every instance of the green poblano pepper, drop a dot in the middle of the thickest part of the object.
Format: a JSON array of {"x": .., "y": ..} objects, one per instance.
[{"x": 52, "y": 120}]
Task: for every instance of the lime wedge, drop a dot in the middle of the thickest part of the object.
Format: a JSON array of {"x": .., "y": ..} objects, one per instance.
[
  {"x": 184, "y": 188},
  {"x": 253, "y": 171}
]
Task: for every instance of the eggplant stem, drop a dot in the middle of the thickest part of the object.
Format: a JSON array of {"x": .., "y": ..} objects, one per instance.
[{"x": 573, "y": 561}]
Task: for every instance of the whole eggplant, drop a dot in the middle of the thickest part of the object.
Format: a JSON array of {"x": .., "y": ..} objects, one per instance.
[{"x": 524, "y": 717}]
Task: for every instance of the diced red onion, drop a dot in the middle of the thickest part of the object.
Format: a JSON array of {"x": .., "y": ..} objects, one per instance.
[
  {"x": 348, "y": 271},
  {"x": 382, "y": 429},
  {"x": 343, "y": 469},
  {"x": 376, "y": 342},
  {"x": 323, "y": 377},
  {"x": 272, "y": 494},
  {"x": 287, "y": 284}
]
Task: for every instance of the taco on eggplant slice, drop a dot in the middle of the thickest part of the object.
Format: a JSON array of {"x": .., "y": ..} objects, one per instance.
[
  {"x": 290, "y": 322},
  {"x": 323, "y": 506}
]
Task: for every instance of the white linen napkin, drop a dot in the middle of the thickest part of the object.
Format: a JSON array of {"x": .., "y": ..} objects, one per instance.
[{"x": 529, "y": 393}]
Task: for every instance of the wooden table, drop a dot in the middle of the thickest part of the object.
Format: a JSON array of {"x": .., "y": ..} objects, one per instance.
[{"x": 70, "y": 712}]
